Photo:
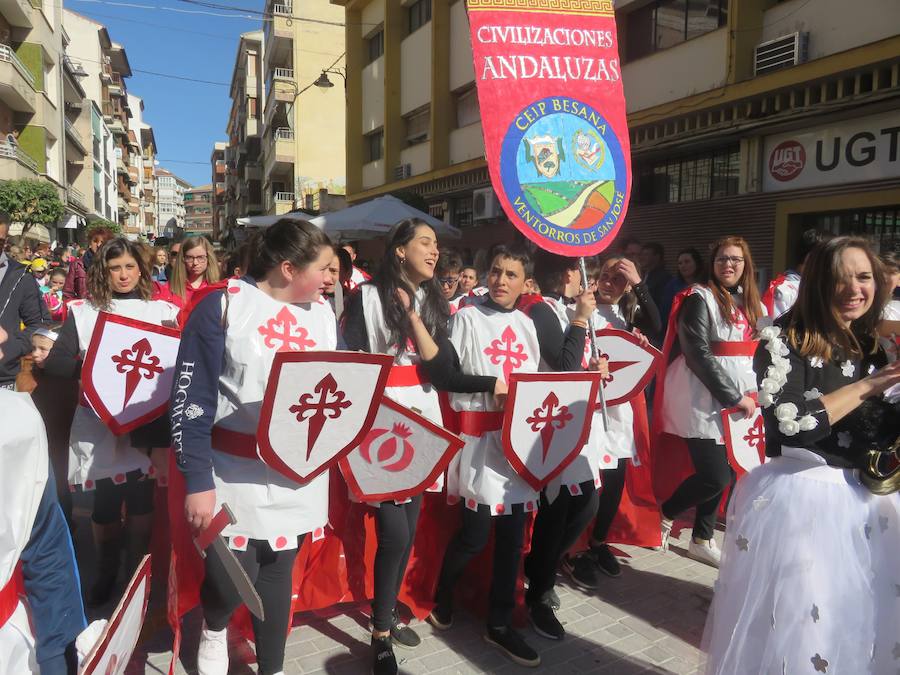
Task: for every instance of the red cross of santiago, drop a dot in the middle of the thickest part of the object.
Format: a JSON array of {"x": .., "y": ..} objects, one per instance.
[
  {"x": 131, "y": 362},
  {"x": 543, "y": 419},
  {"x": 505, "y": 347},
  {"x": 282, "y": 333},
  {"x": 330, "y": 404}
]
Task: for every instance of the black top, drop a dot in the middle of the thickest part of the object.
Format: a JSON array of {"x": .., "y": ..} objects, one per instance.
[
  {"x": 20, "y": 303},
  {"x": 796, "y": 416}
]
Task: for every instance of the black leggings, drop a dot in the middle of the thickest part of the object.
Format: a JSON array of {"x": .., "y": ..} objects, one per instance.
[
  {"x": 557, "y": 527},
  {"x": 469, "y": 540},
  {"x": 396, "y": 527},
  {"x": 270, "y": 572},
  {"x": 135, "y": 493},
  {"x": 703, "y": 489},
  {"x": 612, "y": 485}
]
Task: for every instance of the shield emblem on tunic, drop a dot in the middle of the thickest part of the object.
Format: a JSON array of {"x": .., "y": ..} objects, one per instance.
[
  {"x": 317, "y": 407},
  {"x": 401, "y": 456},
  {"x": 631, "y": 365},
  {"x": 547, "y": 422},
  {"x": 111, "y": 654},
  {"x": 745, "y": 439},
  {"x": 128, "y": 371}
]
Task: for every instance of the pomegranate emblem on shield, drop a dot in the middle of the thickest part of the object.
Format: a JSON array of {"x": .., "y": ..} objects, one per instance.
[{"x": 394, "y": 451}]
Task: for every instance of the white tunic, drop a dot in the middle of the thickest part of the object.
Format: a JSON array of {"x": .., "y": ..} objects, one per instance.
[
  {"x": 94, "y": 451},
  {"x": 23, "y": 476},
  {"x": 689, "y": 410},
  {"x": 585, "y": 467},
  {"x": 267, "y": 505},
  {"x": 423, "y": 397},
  {"x": 483, "y": 337},
  {"x": 785, "y": 294}
]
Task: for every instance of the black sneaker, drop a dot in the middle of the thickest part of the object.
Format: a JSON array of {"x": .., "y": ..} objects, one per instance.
[
  {"x": 606, "y": 561},
  {"x": 544, "y": 621},
  {"x": 403, "y": 635},
  {"x": 441, "y": 617},
  {"x": 383, "y": 660},
  {"x": 552, "y": 599},
  {"x": 513, "y": 645},
  {"x": 582, "y": 570}
]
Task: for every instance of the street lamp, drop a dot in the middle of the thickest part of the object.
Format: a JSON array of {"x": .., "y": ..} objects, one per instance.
[{"x": 324, "y": 82}]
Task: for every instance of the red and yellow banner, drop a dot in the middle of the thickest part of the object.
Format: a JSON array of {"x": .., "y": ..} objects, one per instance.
[{"x": 553, "y": 116}]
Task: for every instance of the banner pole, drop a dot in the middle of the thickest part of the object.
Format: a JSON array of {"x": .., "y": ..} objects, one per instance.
[{"x": 595, "y": 353}]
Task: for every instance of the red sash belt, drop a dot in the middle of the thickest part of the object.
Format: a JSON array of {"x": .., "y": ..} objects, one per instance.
[
  {"x": 747, "y": 348},
  {"x": 479, "y": 423},
  {"x": 9, "y": 594},
  {"x": 234, "y": 443},
  {"x": 407, "y": 376}
]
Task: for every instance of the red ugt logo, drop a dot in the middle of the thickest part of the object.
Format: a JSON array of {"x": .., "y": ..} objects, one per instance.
[
  {"x": 284, "y": 335},
  {"x": 131, "y": 362},
  {"x": 505, "y": 347}
]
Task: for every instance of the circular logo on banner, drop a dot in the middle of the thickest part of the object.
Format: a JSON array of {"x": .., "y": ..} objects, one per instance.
[
  {"x": 564, "y": 173},
  {"x": 787, "y": 161}
]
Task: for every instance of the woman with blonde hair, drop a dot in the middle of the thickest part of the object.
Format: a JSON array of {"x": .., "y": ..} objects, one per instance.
[
  {"x": 194, "y": 268},
  {"x": 808, "y": 582},
  {"x": 709, "y": 357}
]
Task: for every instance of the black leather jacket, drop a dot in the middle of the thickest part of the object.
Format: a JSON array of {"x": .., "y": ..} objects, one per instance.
[{"x": 694, "y": 341}]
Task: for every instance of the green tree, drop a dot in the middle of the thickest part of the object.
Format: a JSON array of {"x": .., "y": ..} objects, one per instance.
[
  {"x": 113, "y": 227},
  {"x": 30, "y": 202}
]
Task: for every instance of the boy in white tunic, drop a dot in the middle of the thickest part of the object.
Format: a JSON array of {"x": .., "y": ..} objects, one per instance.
[{"x": 489, "y": 340}]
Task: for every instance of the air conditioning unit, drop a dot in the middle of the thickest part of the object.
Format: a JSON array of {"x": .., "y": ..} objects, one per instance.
[
  {"x": 485, "y": 205},
  {"x": 782, "y": 52},
  {"x": 402, "y": 171}
]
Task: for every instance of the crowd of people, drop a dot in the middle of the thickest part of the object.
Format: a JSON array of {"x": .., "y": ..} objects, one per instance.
[{"x": 812, "y": 537}]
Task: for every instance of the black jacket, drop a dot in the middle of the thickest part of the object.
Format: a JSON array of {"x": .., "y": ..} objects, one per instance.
[{"x": 20, "y": 302}]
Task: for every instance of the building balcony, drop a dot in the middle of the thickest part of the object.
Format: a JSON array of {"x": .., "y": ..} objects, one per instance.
[
  {"x": 284, "y": 202},
  {"x": 281, "y": 94},
  {"x": 74, "y": 137},
  {"x": 15, "y": 163},
  {"x": 17, "y": 12},
  {"x": 75, "y": 197},
  {"x": 17, "y": 84},
  {"x": 279, "y": 34},
  {"x": 279, "y": 151}
]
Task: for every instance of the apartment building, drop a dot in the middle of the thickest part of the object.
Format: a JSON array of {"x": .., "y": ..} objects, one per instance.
[
  {"x": 32, "y": 136},
  {"x": 303, "y": 115},
  {"x": 85, "y": 57},
  {"x": 77, "y": 129},
  {"x": 762, "y": 117},
  {"x": 243, "y": 177},
  {"x": 219, "y": 173},
  {"x": 198, "y": 210},
  {"x": 141, "y": 161},
  {"x": 170, "y": 191}
]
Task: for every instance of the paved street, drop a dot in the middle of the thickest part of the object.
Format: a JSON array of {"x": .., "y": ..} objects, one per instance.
[{"x": 648, "y": 621}]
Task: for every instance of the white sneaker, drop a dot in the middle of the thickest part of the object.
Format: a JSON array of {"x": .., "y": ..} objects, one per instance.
[
  {"x": 706, "y": 552},
  {"x": 212, "y": 656},
  {"x": 665, "y": 528}
]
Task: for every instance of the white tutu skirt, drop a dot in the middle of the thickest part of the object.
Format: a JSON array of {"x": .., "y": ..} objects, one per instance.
[{"x": 810, "y": 575}]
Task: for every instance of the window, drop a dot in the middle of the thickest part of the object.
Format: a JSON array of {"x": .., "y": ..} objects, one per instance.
[
  {"x": 375, "y": 45},
  {"x": 462, "y": 211},
  {"x": 666, "y": 23},
  {"x": 418, "y": 13},
  {"x": 417, "y": 126},
  {"x": 686, "y": 179},
  {"x": 373, "y": 146},
  {"x": 252, "y": 107},
  {"x": 467, "y": 110}
]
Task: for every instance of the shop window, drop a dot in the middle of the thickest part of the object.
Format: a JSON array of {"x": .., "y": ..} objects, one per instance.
[
  {"x": 375, "y": 46},
  {"x": 685, "y": 179},
  {"x": 666, "y": 23},
  {"x": 467, "y": 110},
  {"x": 373, "y": 146},
  {"x": 881, "y": 225},
  {"x": 418, "y": 14},
  {"x": 417, "y": 126}
]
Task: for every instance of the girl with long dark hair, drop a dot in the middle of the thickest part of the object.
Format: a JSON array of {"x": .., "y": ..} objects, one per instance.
[
  {"x": 808, "y": 581},
  {"x": 376, "y": 321},
  {"x": 709, "y": 355},
  {"x": 119, "y": 282},
  {"x": 222, "y": 371}
]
